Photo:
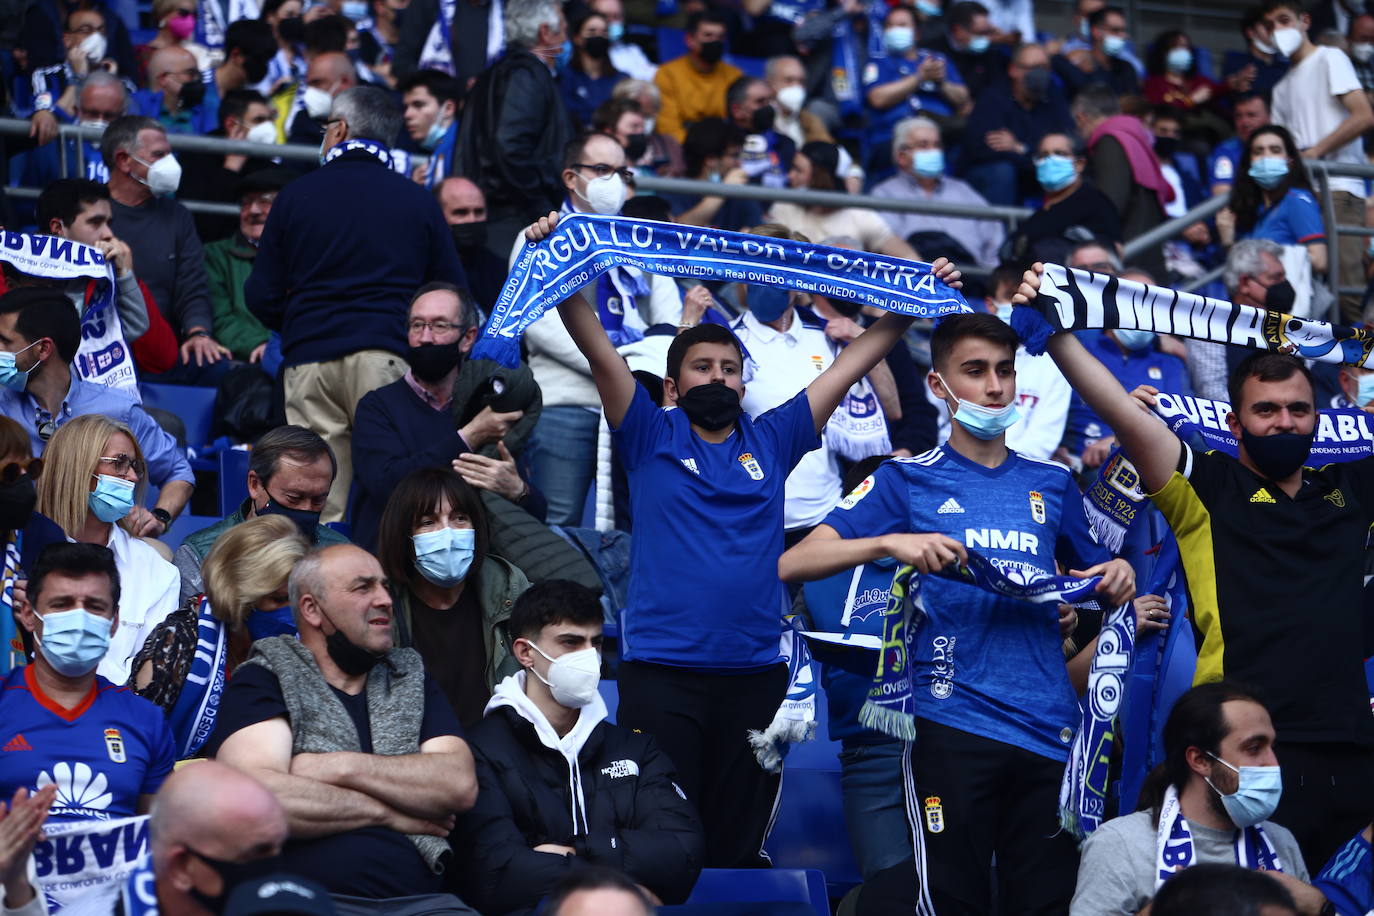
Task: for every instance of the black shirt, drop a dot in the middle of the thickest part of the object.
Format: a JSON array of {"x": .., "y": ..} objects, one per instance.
[
  {"x": 372, "y": 862},
  {"x": 1048, "y": 234},
  {"x": 452, "y": 645},
  {"x": 1275, "y": 584}
]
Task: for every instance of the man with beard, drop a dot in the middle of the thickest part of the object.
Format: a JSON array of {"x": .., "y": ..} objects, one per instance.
[
  {"x": 706, "y": 487},
  {"x": 465, "y": 211},
  {"x": 409, "y": 423}
]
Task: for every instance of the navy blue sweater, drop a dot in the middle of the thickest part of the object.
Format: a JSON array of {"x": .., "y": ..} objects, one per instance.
[{"x": 343, "y": 250}]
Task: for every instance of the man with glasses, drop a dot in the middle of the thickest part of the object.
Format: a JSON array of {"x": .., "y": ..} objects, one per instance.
[
  {"x": 410, "y": 423},
  {"x": 102, "y": 99},
  {"x": 41, "y": 391},
  {"x": 55, "y": 87},
  {"x": 177, "y": 95}
]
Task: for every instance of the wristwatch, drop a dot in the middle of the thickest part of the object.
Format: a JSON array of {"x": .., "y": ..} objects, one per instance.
[{"x": 163, "y": 516}]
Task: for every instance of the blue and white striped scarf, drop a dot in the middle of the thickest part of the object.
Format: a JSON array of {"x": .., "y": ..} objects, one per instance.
[{"x": 192, "y": 718}]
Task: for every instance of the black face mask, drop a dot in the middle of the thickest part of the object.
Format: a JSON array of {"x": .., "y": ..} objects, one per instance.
[
  {"x": 1279, "y": 455},
  {"x": 232, "y": 874},
  {"x": 762, "y": 121},
  {"x": 712, "y": 51},
  {"x": 192, "y": 94},
  {"x": 469, "y": 235},
  {"x": 292, "y": 30},
  {"x": 1036, "y": 82},
  {"x": 432, "y": 361},
  {"x": 598, "y": 46},
  {"x": 1280, "y": 297},
  {"x": 255, "y": 69},
  {"x": 352, "y": 660},
  {"x": 1166, "y": 146},
  {"x": 635, "y": 147},
  {"x": 712, "y": 406},
  {"x": 17, "y": 499},
  {"x": 305, "y": 520}
]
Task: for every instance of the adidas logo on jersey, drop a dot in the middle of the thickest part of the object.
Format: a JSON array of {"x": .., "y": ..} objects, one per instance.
[
  {"x": 950, "y": 507},
  {"x": 18, "y": 743},
  {"x": 1262, "y": 496},
  {"x": 691, "y": 465}
]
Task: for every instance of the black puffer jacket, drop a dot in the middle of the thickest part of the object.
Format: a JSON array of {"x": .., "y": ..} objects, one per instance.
[{"x": 638, "y": 820}]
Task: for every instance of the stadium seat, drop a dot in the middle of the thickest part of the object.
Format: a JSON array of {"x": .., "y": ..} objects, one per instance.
[
  {"x": 671, "y": 43},
  {"x": 762, "y": 885},
  {"x": 185, "y": 526},
  {"x": 194, "y": 405},
  {"x": 233, "y": 479}
]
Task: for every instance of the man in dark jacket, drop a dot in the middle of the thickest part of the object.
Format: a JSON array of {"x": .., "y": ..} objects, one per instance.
[
  {"x": 559, "y": 787},
  {"x": 515, "y": 127},
  {"x": 343, "y": 249}
]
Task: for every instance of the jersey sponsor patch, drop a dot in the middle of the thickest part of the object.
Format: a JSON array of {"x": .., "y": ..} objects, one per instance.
[
  {"x": 751, "y": 465},
  {"x": 81, "y": 791},
  {"x": 1262, "y": 496},
  {"x": 935, "y": 815},
  {"x": 858, "y": 493},
  {"x": 1037, "y": 506}
]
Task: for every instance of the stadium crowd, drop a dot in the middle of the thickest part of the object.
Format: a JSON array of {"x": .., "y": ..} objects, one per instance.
[{"x": 371, "y": 674}]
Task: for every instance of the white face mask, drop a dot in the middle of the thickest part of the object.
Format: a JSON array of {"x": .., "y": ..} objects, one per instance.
[
  {"x": 792, "y": 98},
  {"x": 1362, "y": 51},
  {"x": 606, "y": 195},
  {"x": 94, "y": 46},
  {"x": 573, "y": 677},
  {"x": 266, "y": 132},
  {"x": 648, "y": 127},
  {"x": 317, "y": 102},
  {"x": 164, "y": 176},
  {"x": 1287, "y": 41}
]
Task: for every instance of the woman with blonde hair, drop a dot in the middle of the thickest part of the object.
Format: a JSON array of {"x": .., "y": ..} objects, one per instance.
[
  {"x": 185, "y": 662},
  {"x": 93, "y": 476}
]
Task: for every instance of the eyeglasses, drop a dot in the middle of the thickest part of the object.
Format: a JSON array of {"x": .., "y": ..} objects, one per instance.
[
  {"x": 13, "y": 471},
  {"x": 121, "y": 464},
  {"x": 606, "y": 171},
  {"x": 263, "y": 199},
  {"x": 418, "y": 326},
  {"x": 86, "y": 30},
  {"x": 324, "y": 128}
]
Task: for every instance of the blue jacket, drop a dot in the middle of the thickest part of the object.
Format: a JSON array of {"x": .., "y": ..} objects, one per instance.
[{"x": 342, "y": 252}]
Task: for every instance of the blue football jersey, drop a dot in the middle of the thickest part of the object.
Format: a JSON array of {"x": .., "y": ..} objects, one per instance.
[
  {"x": 1348, "y": 879},
  {"x": 103, "y": 754},
  {"x": 985, "y": 664}
]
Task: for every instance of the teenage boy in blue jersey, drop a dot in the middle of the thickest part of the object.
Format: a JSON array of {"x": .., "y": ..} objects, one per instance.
[
  {"x": 995, "y": 711},
  {"x": 699, "y": 645}
]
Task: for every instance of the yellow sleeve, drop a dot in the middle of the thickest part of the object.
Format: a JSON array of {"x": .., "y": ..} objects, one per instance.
[{"x": 669, "y": 120}]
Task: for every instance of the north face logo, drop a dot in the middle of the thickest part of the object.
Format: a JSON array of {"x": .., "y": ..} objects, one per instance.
[{"x": 621, "y": 768}]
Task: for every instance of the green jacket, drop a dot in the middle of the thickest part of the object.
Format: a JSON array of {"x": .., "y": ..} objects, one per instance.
[
  {"x": 499, "y": 584},
  {"x": 228, "y": 263}
]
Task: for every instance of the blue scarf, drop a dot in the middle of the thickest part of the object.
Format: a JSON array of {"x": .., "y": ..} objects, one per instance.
[
  {"x": 584, "y": 246},
  {"x": 140, "y": 890},
  {"x": 13, "y": 654},
  {"x": 1075, "y": 300},
  {"x": 192, "y": 718},
  {"x": 379, "y": 151},
  {"x": 1342, "y": 434}
]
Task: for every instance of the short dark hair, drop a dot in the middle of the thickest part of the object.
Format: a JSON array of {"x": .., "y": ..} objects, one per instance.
[
  {"x": 1250, "y": 97},
  {"x": 1267, "y": 367},
  {"x": 73, "y": 560},
  {"x": 65, "y": 198},
  {"x": 553, "y": 601},
  {"x": 437, "y": 83},
  {"x": 576, "y": 148},
  {"x": 1006, "y": 272},
  {"x": 708, "y": 15},
  {"x": 45, "y": 311},
  {"x": 328, "y": 33},
  {"x": 1096, "y": 99},
  {"x": 738, "y": 90},
  {"x": 83, "y": 7},
  {"x": 953, "y": 328},
  {"x": 1220, "y": 890},
  {"x": 251, "y": 36},
  {"x": 705, "y": 332},
  {"x": 236, "y": 101},
  {"x": 1196, "y": 720},
  {"x": 295, "y": 442},
  {"x": 907, "y": 8},
  {"x": 609, "y": 112},
  {"x": 466, "y": 311},
  {"x": 963, "y": 13},
  {"x": 122, "y": 134},
  {"x": 708, "y": 137},
  {"x": 414, "y": 498},
  {"x": 1294, "y": 6},
  {"x": 1095, "y": 18}
]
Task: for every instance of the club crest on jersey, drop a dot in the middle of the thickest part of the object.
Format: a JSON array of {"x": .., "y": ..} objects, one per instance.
[
  {"x": 114, "y": 745},
  {"x": 751, "y": 464},
  {"x": 1037, "y": 506},
  {"x": 935, "y": 815},
  {"x": 818, "y": 362}
]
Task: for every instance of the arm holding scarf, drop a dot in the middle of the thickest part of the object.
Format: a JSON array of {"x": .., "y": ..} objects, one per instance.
[{"x": 824, "y": 553}]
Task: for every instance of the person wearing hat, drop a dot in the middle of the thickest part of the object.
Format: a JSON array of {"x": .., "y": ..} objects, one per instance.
[
  {"x": 228, "y": 263},
  {"x": 280, "y": 894}
]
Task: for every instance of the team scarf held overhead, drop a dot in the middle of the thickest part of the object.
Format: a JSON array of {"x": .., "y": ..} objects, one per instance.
[
  {"x": 583, "y": 247},
  {"x": 1079, "y": 300}
]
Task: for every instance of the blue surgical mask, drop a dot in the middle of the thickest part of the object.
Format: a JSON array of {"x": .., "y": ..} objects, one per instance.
[
  {"x": 1179, "y": 60},
  {"x": 1364, "y": 393},
  {"x": 1085, "y": 30},
  {"x": 1113, "y": 45},
  {"x": 1134, "y": 338},
  {"x": 899, "y": 39},
  {"x": 615, "y": 31},
  {"x": 979, "y": 43},
  {"x": 1268, "y": 171},
  {"x": 74, "y": 641},
  {"x": 443, "y": 556},
  {"x": 436, "y": 133},
  {"x": 11, "y": 376},
  {"x": 928, "y": 9},
  {"x": 928, "y": 163},
  {"x": 1055, "y": 173},
  {"x": 767, "y": 303},
  {"x": 355, "y": 10},
  {"x": 565, "y": 54},
  {"x": 1003, "y": 311},
  {"x": 983, "y": 422},
  {"x": 1257, "y": 794},
  {"x": 281, "y": 622},
  {"x": 112, "y": 498}
]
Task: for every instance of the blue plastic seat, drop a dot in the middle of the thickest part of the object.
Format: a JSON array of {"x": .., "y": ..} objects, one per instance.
[
  {"x": 762, "y": 885},
  {"x": 183, "y": 527},
  {"x": 195, "y": 406},
  {"x": 233, "y": 479}
]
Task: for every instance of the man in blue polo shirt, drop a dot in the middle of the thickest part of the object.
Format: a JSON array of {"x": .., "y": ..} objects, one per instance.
[
  {"x": 995, "y": 709},
  {"x": 700, "y": 633},
  {"x": 105, "y": 748}
]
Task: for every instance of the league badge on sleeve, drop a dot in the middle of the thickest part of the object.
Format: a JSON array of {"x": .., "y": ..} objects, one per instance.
[
  {"x": 751, "y": 464},
  {"x": 1037, "y": 506},
  {"x": 114, "y": 744},
  {"x": 935, "y": 815},
  {"x": 853, "y": 496}
]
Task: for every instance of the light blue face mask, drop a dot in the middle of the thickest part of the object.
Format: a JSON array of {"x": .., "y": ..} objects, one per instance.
[
  {"x": 1257, "y": 794},
  {"x": 1364, "y": 393},
  {"x": 112, "y": 498},
  {"x": 1113, "y": 45},
  {"x": 1055, "y": 173},
  {"x": 982, "y": 422},
  {"x": 1134, "y": 338},
  {"x": 355, "y": 10},
  {"x": 928, "y": 163},
  {"x": 443, "y": 556},
  {"x": 565, "y": 54},
  {"x": 899, "y": 39},
  {"x": 928, "y": 9},
  {"x": 74, "y": 641},
  {"x": 11, "y": 376},
  {"x": 979, "y": 44},
  {"x": 1268, "y": 171},
  {"x": 1179, "y": 60},
  {"x": 436, "y": 133},
  {"x": 615, "y": 31}
]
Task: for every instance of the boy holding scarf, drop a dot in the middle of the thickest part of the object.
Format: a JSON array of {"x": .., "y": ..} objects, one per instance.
[{"x": 700, "y": 634}]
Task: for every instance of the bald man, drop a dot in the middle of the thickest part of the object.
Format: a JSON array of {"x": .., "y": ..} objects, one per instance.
[
  {"x": 465, "y": 211},
  {"x": 178, "y": 95},
  {"x": 328, "y": 74},
  {"x": 354, "y": 738}
]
